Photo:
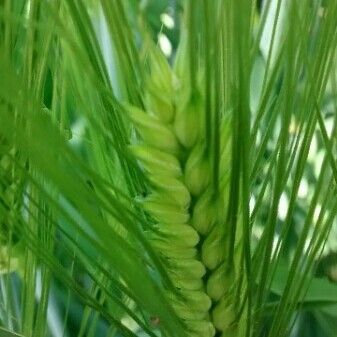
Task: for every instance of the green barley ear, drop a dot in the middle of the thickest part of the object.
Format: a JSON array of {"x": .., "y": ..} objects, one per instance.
[{"x": 188, "y": 230}]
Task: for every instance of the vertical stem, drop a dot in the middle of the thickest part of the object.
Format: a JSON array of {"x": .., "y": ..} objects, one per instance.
[
  {"x": 208, "y": 75},
  {"x": 192, "y": 46}
]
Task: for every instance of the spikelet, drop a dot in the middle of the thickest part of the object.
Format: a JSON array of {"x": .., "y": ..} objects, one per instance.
[
  {"x": 157, "y": 162},
  {"x": 159, "y": 94},
  {"x": 197, "y": 171},
  {"x": 173, "y": 188},
  {"x": 154, "y": 133},
  {"x": 224, "y": 314},
  {"x": 188, "y": 121}
]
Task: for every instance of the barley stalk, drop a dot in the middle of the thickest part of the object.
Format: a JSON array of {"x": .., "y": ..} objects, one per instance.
[{"x": 189, "y": 233}]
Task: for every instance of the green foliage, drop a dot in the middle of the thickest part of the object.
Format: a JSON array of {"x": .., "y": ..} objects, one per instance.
[{"x": 187, "y": 195}]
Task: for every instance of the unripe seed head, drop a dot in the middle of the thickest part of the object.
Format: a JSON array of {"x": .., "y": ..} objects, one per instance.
[
  {"x": 174, "y": 121},
  {"x": 188, "y": 124}
]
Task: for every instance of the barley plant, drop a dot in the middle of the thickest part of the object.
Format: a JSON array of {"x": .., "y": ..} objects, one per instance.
[{"x": 167, "y": 168}]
